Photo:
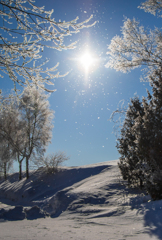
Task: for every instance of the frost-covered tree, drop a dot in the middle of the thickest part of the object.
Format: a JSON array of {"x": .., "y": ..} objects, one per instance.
[
  {"x": 140, "y": 48},
  {"x": 152, "y": 6},
  {"x": 149, "y": 141},
  {"x": 26, "y": 30},
  {"x": 137, "y": 143},
  {"x": 37, "y": 123},
  {"x": 26, "y": 125},
  {"x": 6, "y": 157},
  {"x": 8, "y": 122},
  {"x": 11, "y": 128},
  {"x": 141, "y": 139},
  {"x": 19, "y": 145},
  {"x": 129, "y": 161},
  {"x": 137, "y": 47}
]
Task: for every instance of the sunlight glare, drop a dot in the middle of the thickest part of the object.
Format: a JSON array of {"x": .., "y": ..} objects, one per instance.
[
  {"x": 86, "y": 60},
  {"x": 87, "y": 63}
]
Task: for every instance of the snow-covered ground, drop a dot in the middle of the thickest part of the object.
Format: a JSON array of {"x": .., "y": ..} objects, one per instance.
[{"x": 88, "y": 202}]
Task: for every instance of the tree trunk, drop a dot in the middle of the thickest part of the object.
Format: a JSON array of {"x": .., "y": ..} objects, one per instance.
[
  {"x": 27, "y": 167},
  {"x": 20, "y": 170},
  {"x": 141, "y": 184},
  {"x": 5, "y": 171}
]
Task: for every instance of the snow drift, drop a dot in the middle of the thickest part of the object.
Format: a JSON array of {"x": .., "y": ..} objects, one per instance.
[{"x": 93, "y": 194}]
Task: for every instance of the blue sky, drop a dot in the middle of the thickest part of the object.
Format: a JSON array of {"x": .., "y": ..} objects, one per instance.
[{"x": 83, "y": 104}]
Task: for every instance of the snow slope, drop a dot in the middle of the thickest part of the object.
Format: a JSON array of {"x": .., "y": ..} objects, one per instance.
[{"x": 88, "y": 202}]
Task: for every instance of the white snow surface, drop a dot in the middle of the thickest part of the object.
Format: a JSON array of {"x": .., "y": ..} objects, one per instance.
[{"x": 90, "y": 202}]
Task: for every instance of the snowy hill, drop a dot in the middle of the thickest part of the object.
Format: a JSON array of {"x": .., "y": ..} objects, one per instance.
[{"x": 78, "y": 197}]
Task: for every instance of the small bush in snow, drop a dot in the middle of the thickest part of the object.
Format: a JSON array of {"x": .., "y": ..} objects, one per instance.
[{"x": 52, "y": 161}]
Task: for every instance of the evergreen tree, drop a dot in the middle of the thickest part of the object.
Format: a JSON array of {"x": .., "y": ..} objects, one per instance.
[
  {"x": 129, "y": 160},
  {"x": 149, "y": 141},
  {"x": 141, "y": 140}
]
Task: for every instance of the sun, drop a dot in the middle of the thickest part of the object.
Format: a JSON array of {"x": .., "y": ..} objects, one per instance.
[
  {"x": 87, "y": 63},
  {"x": 86, "y": 60}
]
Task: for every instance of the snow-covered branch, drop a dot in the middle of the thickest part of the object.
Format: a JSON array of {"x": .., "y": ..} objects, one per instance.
[
  {"x": 152, "y": 6},
  {"x": 135, "y": 48},
  {"x": 25, "y": 30}
]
